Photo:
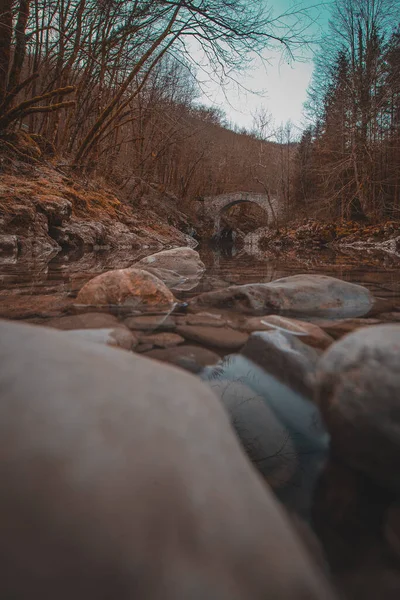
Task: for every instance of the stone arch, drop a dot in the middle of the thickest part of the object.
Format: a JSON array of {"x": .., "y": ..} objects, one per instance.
[{"x": 214, "y": 206}]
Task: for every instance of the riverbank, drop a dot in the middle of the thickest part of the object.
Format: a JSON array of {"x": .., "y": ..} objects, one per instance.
[
  {"x": 314, "y": 234},
  {"x": 45, "y": 209}
]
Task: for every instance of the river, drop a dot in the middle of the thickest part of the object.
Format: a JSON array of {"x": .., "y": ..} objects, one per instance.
[{"x": 64, "y": 275}]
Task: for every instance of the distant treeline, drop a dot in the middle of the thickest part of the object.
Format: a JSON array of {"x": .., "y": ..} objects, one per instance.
[{"x": 348, "y": 161}]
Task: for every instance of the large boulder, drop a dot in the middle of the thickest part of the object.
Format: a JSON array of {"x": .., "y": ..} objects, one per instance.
[
  {"x": 225, "y": 338},
  {"x": 358, "y": 381},
  {"x": 127, "y": 287},
  {"x": 122, "y": 478},
  {"x": 184, "y": 262},
  {"x": 298, "y": 295}
]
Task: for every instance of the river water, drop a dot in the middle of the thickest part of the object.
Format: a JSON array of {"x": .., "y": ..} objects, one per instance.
[{"x": 23, "y": 281}]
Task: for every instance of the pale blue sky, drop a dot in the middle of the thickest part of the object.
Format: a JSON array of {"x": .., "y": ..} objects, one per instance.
[{"x": 283, "y": 86}]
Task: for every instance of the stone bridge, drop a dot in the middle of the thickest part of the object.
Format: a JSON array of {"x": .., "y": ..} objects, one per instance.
[{"x": 214, "y": 206}]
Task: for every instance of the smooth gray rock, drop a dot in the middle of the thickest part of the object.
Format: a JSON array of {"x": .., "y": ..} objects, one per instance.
[
  {"x": 298, "y": 295},
  {"x": 284, "y": 356},
  {"x": 280, "y": 429},
  {"x": 358, "y": 391},
  {"x": 184, "y": 262},
  {"x": 123, "y": 479}
]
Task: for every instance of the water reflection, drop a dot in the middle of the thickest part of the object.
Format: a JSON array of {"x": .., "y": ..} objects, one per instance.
[{"x": 64, "y": 274}]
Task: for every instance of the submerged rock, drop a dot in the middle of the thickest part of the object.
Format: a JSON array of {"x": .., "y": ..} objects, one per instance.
[
  {"x": 285, "y": 357},
  {"x": 308, "y": 333},
  {"x": 127, "y": 287},
  {"x": 106, "y": 453},
  {"x": 358, "y": 390},
  {"x": 217, "y": 337},
  {"x": 162, "y": 340},
  {"x": 298, "y": 295},
  {"x": 182, "y": 262},
  {"x": 190, "y": 358},
  {"x": 292, "y": 442},
  {"x": 151, "y": 323},
  {"x": 338, "y": 328}
]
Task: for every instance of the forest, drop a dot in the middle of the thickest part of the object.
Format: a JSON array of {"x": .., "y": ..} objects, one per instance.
[
  {"x": 112, "y": 88},
  {"x": 348, "y": 159}
]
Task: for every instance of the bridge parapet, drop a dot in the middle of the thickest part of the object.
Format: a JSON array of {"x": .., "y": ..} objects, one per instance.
[{"x": 213, "y": 206}]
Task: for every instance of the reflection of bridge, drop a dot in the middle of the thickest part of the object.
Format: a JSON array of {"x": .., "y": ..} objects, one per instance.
[{"x": 214, "y": 206}]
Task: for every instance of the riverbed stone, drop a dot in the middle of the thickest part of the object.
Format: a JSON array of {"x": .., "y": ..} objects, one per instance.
[
  {"x": 264, "y": 438},
  {"x": 118, "y": 337},
  {"x": 150, "y": 323},
  {"x": 84, "y": 321},
  {"x": 131, "y": 288},
  {"x": 103, "y": 449},
  {"x": 224, "y": 338},
  {"x": 184, "y": 262},
  {"x": 303, "y": 447},
  {"x": 191, "y": 358},
  {"x": 298, "y": 295},
  {"x": 205, "y": 319},
  {"x": 162, "y": 340},
  {"x": 284, "y": 356},
  {"x": 338, "y": 328},
  {"x": 170, "y": 278},
  {"x": 308, "y": 333},
  {"x": 358, "y": 390},
  {"x": 389, "y": 316}
]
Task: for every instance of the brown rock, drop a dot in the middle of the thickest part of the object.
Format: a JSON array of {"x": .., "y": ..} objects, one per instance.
[
  {"x": 216, "y": 337},
  {"x": 285, "y": 357},
  {"x": 206, "y": 319},
  {"x": 25, "y": 307},
  {"x": 150, "y": 323},
  {"x": 162, "y": 340},
  {"x": 339, "y": 328},
  {"x": 390, "y": 316},
  {"x": 141, "y": 348},
  {"x": 84, "y": 321},
  {"x": 308, "y": 333},
  {"x": 127, "y": 287},
  {"x": 187, "y": 357}
]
